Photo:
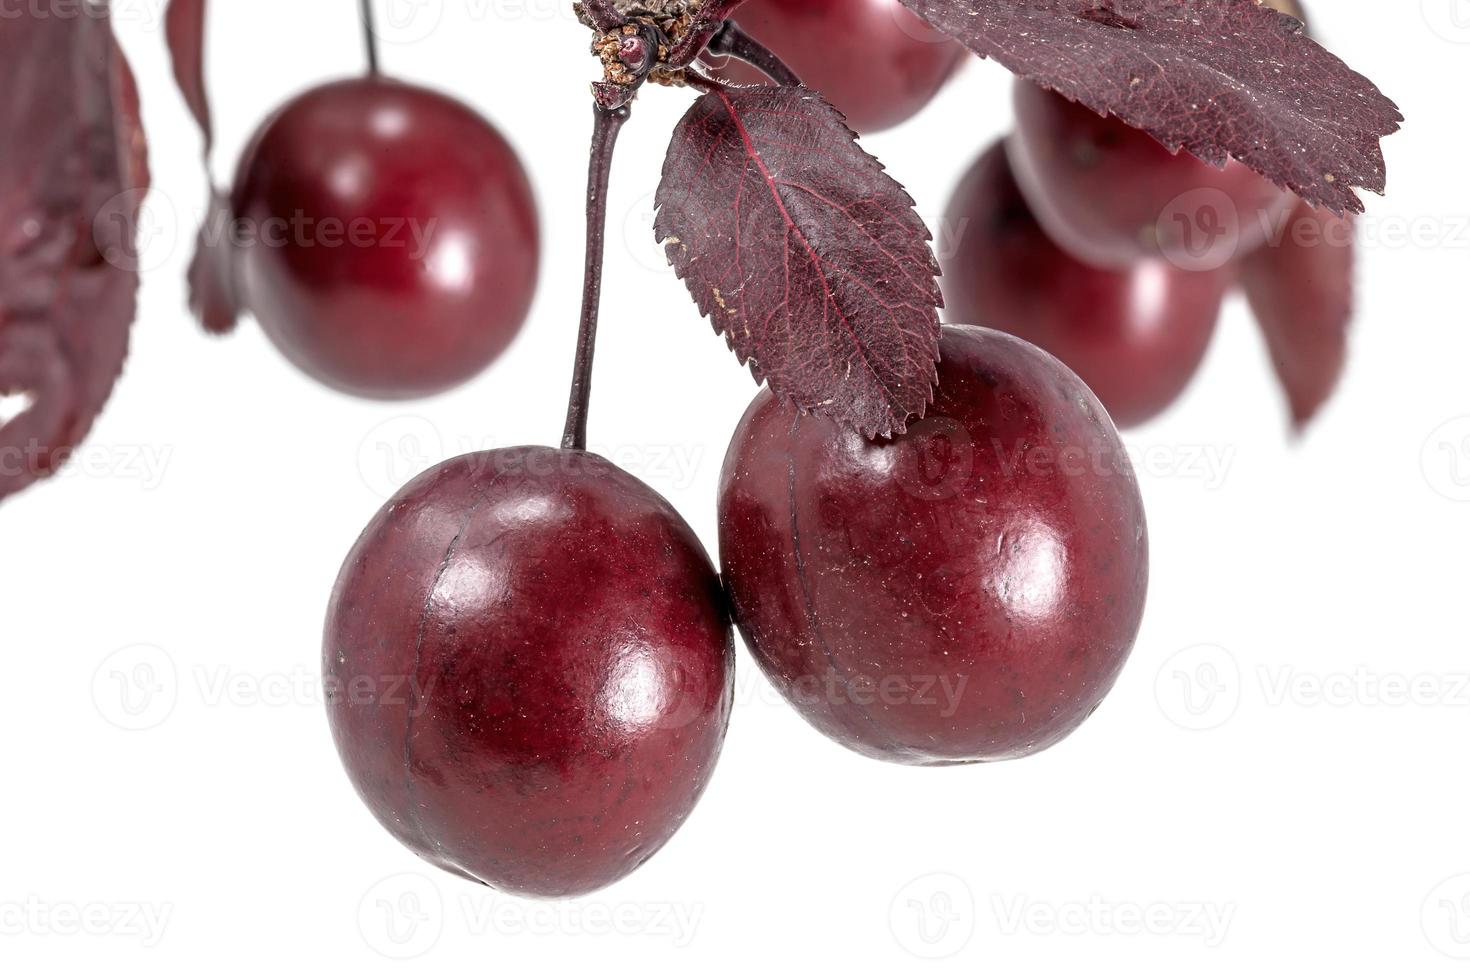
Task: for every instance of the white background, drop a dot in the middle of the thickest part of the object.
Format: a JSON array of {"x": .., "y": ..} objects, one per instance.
[{"x": 1260, "y": 792}]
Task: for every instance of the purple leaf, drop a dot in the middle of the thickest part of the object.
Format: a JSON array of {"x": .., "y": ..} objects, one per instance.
[
  {"x": 1300, "y": 287},
  {"x": 184, "y": 29},
  {"x": 73, "y": 174},
  {"x": 1216, "y": 77},
  {"x": 805, "y": 254}
]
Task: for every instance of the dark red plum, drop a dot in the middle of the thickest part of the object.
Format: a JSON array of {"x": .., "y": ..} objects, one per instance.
[
  {"x": 873, "y": 59},
  {"x": 390, "y": 240},
  {"x": 529, "y": 665},
  {"x": 1137, "y": 336},
  {"x": 966, "y": 592},
  {"x": 1112, "y": 195}
]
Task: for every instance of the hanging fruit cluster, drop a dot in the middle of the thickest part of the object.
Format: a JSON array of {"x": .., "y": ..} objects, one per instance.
[{"x": 931, "y": 537}]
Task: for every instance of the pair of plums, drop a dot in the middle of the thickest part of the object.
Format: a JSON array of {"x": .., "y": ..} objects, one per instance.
[{"x": 530, "y": 655}]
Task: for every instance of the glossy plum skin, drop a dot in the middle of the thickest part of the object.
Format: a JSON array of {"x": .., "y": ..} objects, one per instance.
[
  {"x": 966, "y": 592},
  {"x": 873, "y": 59},
  {"x": 1112, "y": 195},
  {"x": 389, "y": 237},
  {"x": 569, "y": 666},
  {"x": 1136, "y": 336}
]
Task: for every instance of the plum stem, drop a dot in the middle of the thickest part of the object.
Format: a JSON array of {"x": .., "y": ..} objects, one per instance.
[
  {"x": 370, "y": 36},
  {"x": 607, "y": 123},
  {"x": 604, "y": 15},
  {"x": 731, "y": 40},
  {"x": 705, "y": 24}
]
